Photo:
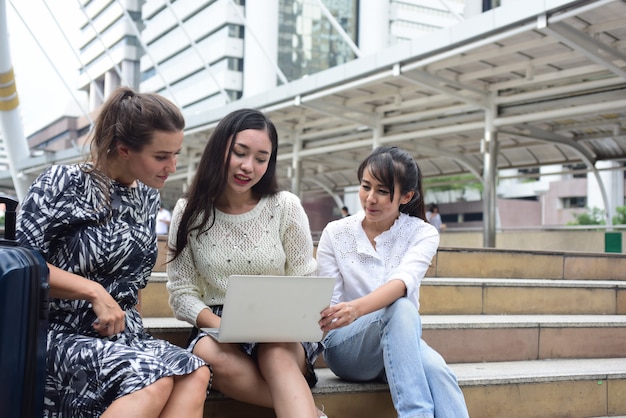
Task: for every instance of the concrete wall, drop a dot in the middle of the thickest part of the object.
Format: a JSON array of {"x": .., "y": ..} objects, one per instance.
[
  {"x": 519, "y": 213},
  {"x": 554, "y": 212},
  {"x": 575, "y": 241},
  {"x": 534, "y": 240}
]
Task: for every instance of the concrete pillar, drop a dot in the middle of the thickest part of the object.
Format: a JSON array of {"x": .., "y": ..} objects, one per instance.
[
  {"x": 472, "y": 8},
  {"x": 261, "y": 46},
  {"x": 612, "y": 177},
  {"x": 296, "y": 166},
  {"x": 95, "y": 99},
  {"x": 11, "y": 128},
  {"x": 111, "y": 82},
  {"x": 490, "y": 153},
  {"x": 373, "y": 26},
  {"x": 131, "y": 74}
]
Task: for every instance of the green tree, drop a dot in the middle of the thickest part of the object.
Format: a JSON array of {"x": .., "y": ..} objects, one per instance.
[
  {"x": 444, "y": 184},
  {"x": 594, "y": 216},
  {"x": 620, "y": 216}
]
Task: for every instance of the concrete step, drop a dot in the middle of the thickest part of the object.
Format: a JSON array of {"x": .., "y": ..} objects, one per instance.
[
  {"x": 488, "y": 338},
  {"x": 475, "y": 338},
  {"x": 521, "y": 296},
  {"x": 544, "y": 388},
  {"x": 558, "y": 265},
  {"x": 153, "y": 299},
  {"x": 529, "y": 334},
  {"x": 494, "y": 262},
  {"x": 449, "y": 296},
  {"x": 168, "y": 328},
  {"x": 523, "y": 389}
]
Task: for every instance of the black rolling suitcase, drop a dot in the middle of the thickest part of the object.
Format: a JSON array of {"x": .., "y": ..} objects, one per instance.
[{"x": 23, "y": 324}]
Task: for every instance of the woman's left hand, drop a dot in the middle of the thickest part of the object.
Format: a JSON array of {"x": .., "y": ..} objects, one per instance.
[{"x": 338, "y": 316}]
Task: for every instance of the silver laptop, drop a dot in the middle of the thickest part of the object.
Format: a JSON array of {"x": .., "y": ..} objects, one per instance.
[{"x": 273, "y": 309}]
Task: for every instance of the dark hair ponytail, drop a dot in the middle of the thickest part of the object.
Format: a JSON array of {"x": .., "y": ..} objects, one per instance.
[{"x": 131, "y": 119}]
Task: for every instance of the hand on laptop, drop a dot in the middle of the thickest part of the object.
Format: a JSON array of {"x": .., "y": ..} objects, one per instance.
[{"x": 338, "y": 316}]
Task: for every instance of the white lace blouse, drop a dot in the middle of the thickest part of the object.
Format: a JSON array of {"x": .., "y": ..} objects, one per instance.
[{"x": 403, "y": 252}]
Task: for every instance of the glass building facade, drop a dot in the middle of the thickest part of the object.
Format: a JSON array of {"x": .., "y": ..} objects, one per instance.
[{"x": 308, "y": 42}]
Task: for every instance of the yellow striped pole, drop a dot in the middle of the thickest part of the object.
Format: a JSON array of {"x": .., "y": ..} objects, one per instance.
[{"x": 8, "y": 91}]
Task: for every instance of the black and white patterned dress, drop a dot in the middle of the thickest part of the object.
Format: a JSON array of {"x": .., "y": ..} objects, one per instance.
[{"x": 64, "y": 217}]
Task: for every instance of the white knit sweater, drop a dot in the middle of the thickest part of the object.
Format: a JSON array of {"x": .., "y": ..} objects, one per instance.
[{"x": 273, "y": 238}]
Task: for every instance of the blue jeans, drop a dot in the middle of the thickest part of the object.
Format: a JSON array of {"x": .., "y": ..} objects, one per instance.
[{"x": 387, "y": 345}]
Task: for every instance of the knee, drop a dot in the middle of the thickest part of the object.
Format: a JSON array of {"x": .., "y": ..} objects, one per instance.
[
  {"x": 197, "y": 382},
  {"x": 278, "y": 355},
  {"x": 200, "y": 378},
  {"x": 402, "y": 305},
  {"x": 150, "y": 399},
  {"x": 276, "y": 351},
  {"x": 161, "y": 389},
  {"x": 403, "y": 311},
  {"x": 223, "y": 358}
]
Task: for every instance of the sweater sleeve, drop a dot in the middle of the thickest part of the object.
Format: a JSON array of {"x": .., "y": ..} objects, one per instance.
[
  {"x": 296, "y": 237},
  {"x": 184, "y": 284}
]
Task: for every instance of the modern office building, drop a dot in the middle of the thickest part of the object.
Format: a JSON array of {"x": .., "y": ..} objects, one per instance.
[
  {"x": 110, "y": 47},
  {"x": 205, "y": 53}
]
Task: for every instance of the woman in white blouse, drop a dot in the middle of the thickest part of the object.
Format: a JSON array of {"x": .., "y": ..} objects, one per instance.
[{"x": 379, "y": 257}]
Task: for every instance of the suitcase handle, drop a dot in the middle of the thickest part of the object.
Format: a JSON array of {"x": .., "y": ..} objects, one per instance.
[{"x": 10, "y": 219}]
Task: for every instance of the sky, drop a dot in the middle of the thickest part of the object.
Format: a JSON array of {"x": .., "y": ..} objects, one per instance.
[{"x": 41, "y": 89}]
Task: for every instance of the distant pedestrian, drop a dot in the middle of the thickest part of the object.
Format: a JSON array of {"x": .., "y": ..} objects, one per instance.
[
  {"x": 163, "y": 219},
  {"x": 434, "y": 217},
  {"x": 345, "y": 212}
]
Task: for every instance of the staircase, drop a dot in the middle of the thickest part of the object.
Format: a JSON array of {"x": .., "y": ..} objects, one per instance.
[{"x": 528, "y": 333}]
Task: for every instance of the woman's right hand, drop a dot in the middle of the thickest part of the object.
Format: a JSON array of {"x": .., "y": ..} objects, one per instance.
[
  {"x": 111, "y": 318},
  {"x": 339, "y": 315},
  {"x": 207, "y": 319}
]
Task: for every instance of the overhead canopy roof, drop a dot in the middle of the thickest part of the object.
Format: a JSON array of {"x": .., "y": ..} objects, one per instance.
[
  {"x": 554, "y": 76},
  {"x": 548, "y": 75}
]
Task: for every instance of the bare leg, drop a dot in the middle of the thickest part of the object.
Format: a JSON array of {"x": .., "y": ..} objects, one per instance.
[
  {"x": 236, "y": 375},
  {"x": 144, "y": 403},
  {"x": 283, "y": 366},
  {"x": 188, "y": 395}
]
